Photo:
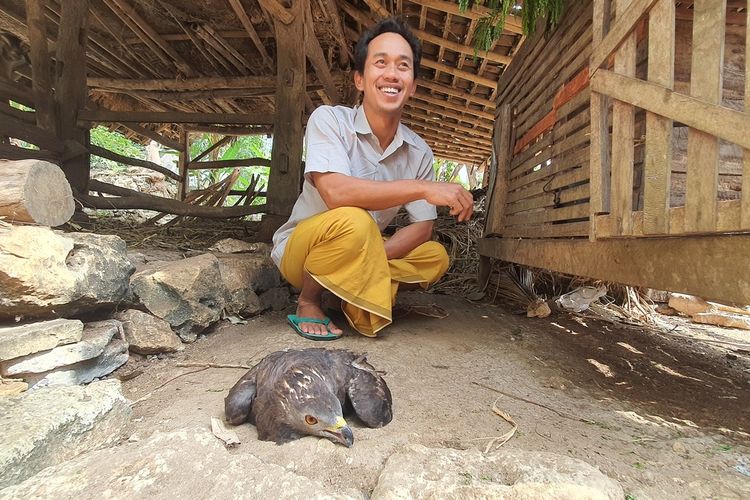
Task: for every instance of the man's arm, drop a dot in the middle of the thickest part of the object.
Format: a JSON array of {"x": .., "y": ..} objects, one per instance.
[
  {"x": 408, "y": 238},
  {"x": 339, "y": 190}
]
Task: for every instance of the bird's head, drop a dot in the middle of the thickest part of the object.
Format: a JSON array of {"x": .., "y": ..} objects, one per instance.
[{"x": 315, "y": 410}]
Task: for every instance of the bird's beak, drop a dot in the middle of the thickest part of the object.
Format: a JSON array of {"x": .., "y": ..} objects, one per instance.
[{"x": 341, "y": 433}]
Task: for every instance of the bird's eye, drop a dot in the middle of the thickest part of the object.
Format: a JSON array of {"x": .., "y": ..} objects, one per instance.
[{"x": 310, "y": 420}]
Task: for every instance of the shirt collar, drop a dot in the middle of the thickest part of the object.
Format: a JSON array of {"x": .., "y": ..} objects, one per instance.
[{"x": 362, "y": 126}]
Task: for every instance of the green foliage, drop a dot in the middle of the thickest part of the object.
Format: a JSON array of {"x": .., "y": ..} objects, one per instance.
[
  {"x": 447, "y": 171},
  {"x": 116, "y": 143},
  {"x": 490, "y": 28}
]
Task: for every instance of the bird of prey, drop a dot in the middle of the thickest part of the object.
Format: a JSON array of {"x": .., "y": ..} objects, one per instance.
[{"x": 290, "y": 394}]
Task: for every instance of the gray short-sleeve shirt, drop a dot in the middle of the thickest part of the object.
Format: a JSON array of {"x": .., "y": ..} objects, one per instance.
[{"x": 339, "y": 139}]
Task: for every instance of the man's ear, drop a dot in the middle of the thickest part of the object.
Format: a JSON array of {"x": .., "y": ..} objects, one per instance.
[
  {"x": 413, "y": 88},
  {"x": 359, "y": 81}
]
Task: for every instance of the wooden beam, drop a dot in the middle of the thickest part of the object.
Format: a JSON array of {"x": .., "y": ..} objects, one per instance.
[
  {"x": 477, "y": 122},
  {"x": 317, "y": 57},
  {"x": 286, "y": 155},
  {"x": 490, "y": 117},
  {"x": 745, "y": 212},
  {"x": 643, "y": 262},
  {"x": 417, "y": 112},
  {"x": 461, "y": 48},
  {"x": 345, "y": 51},
  {"x": 111, "y": 155},
  {"x": 199, "y": 83},
  {"x": 377, "y": 8},
  {"x": 212, "y": 165},
  {"x": 239, "y": 10},
  {"x": 41, "y": 73},
  {"x": 455, "y": 92},
  {"x": 70, "y": 87},
  {"x": 173, "y": 117},
  {"x": 513, "y": 24},
  {"x": 224, "y": 140},
  {"x": 277, "y": 10},
  {"x": 155, "y": 136},
  {"x": 466, "y": 75},
  {"x": 497, "y": 190},
  {"x": 260, "y": 130},
  {"x": 182, "y": 165}
]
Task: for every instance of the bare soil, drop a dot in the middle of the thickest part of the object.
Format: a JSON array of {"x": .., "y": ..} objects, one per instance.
[{"x": 665, "y": 414}]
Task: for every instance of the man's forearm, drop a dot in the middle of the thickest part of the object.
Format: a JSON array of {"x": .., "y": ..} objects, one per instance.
[
  {"x": 338, "y": 190},
  {"x": 408, "y": 238}
]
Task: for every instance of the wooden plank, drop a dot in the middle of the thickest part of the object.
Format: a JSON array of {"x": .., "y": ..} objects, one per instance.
[
  {"x": 498, "y": 187},
  {"x": 722, "y": 122},
  {"x": 461, "y": 48},
  {"x": 215, "y": 164},
  {"x": 623, "y": 130},
  {"x": 706, "y": 85},
  {"x": 658, "y": 160},
  {"x": 241, "y": 14},
  {"x": 173, "y": 117},
  {"x": 41, "y": 81},
  {"x": 70, "y": 87},
  {"x": 286, "y": 155},
  {"x": 559, "y": 165},
  {"x": 627, "y": 19},
  {"x": 641, "y": 262},
  {"x": 455, "y": 92},
  {"x": 560, "y": 148},
  {"x": 466, "y": 75},
  {"x": 548, "y": 199},
  {"x": 532, "y": 233},
  {"x": 539, "y": 216},
  {"x": 155, "y": 136},
  {"x": 479, "y": 123},
  {"x": 541, "y": 126},
  {"x": 600, "y": 170},
  {"x": 575, "y": 176},
  {"x": 745, "y": 219},
  {"x": 422, "y": 96},
  {"x": 182, "y": 163}
]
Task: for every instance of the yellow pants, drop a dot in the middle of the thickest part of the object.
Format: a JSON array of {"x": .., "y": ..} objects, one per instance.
[{"x": 342, "y": 249}]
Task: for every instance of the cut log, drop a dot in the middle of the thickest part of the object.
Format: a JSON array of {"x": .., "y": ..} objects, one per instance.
[{"x": 35, "y": 191}]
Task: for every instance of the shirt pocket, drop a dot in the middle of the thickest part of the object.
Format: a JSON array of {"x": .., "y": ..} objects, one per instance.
[{"x": 365, "y": 169}]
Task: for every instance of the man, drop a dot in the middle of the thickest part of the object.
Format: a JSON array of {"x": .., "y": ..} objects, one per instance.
[{"x": 362, "y": 166}]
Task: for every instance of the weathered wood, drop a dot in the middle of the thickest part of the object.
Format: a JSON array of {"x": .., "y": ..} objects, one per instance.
[
  {"x": 444, "y": 103},
  {"x": 155, "y": 136},
  {"x": 345, "y": 51},
  {"x": 483, "y": 124},
  {"x": 706, "y": 85},
  {"x": 124, "y": 198},
  {"x": 182, "y": 165},
  {"x": 70, "y": 88},
  {"x": 719, "y": 121},
  {"x": 745, "y": 218},
  {"x": 626, "y": 22},
  {"x": 532, "y": 232},
  {"x": 461, "y": 48},
  {"x": 86, "y": 115},
  {"x": 10, "y": 152},
  {"x": 260, "y": 130},
  {"x": 498, "y": 187},
  {"x": 601, "y": 146},
  {"x": 41, "y": 71},
  {"x": 175, "y": 85},
  {"x": 286, "y": 155},
  {"x": 215, "y": 164},
  {"x": 278, "y": 11},
  {"x": 317, "y": 57},
  {"x": 558, "y": 181},
  {"x": 111, "y": 155},
  {"x": 623, "y": 129},
  {"x": 239, "y": 10},
  {"x": 549, "y": 199},
  {"x": 658, "y": 160},
  {"x": 466, "y": 75},
  {"x": 34, "y": 191},
  {"x": 640, "y": 262},
  {"x": 539, "y": 216},
  {"x": 16, "y": 92},
  {"x": 221, "y": 142},
  {"x": 512, "y": 23}
]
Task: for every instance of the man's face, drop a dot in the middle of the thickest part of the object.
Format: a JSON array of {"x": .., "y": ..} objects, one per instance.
[{"x": 388, "y": 80}]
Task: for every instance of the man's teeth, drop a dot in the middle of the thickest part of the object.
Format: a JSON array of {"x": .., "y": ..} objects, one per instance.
[{"x": 389, "y": 90}]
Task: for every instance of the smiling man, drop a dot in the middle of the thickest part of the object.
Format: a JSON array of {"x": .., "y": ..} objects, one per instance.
[{"x": 362, "y": 166}]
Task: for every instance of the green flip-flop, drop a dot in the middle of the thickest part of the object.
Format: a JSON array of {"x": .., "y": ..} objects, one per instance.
[{"x": 295, "y": 321}]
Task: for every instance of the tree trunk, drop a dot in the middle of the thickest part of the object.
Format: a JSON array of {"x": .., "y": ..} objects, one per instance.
[{"x": 34, "y": 191}]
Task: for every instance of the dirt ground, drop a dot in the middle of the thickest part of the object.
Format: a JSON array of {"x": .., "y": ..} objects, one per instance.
[{"x": 668, "y": 416}]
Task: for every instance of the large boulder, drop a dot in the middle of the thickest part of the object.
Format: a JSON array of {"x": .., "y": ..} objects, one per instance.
[
  {"x": 48, "y": 426},
  {"x": 147, "y": 334},
  {"x": 95, "y": 338},
  {"x": 189, "y": 463},
  {"x": 49, "y": 273},
  {"x": 21, "y": 340},
  {"x": 421, "y": 472},
  {"x": 189, "y": 294}
]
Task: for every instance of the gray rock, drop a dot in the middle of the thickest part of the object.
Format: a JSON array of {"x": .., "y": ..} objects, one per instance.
[
  {"x": 189, "y": 294},
  {"x": 254, "y": 271},
  {"x": 115, "y": 354},
  {"x": 188, "y": 463},
  {"x": 20, "y": 340},
  {"x": 48, "y": 273},
  {"x": 231, "y": 245},
  {"x": 95, "y": 337},
  {"x": 421, "y": 472},
  {"x": 275, "y": 298},
  {"x": 45, "y": 427},
  {"x": 147, "y": 334}
]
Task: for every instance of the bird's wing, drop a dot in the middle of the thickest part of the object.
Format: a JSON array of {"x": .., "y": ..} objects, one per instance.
[
  {"x": 239, "y": 401},
  {"x": 369, "y": 394}
]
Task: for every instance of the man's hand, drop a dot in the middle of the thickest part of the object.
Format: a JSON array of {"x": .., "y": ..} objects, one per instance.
[{"x": 453, "y": 196}]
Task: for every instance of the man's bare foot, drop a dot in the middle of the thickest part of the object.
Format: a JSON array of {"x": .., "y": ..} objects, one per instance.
[{"x": 313, "y": 310}]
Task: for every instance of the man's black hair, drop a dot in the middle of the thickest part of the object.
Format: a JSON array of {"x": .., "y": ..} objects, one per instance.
[{"x": 388, "y": 25}]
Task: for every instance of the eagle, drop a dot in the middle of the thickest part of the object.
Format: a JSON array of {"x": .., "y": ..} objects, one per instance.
[{"x": 293, "y": 393}]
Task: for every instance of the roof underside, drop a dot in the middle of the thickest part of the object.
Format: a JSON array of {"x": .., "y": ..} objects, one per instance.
[{"x": 453, "y": 108}]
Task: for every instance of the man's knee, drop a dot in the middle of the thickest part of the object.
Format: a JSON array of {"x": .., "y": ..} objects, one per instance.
[
  {"x": 353, "y": 221},
  {"x": 435, "y": 252}
]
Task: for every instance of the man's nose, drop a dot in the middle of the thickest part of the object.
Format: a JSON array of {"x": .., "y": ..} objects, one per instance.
[{"x": 390, "y": 71}]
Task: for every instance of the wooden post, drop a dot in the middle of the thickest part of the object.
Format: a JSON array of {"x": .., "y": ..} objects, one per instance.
[
  {"x": 498, "y": 187},
  {"x": 182, "y": 164},
  {"x": 286, "y": 153},
  {"x": 41, "y": 74},
  {"x": 71, "y": 91},
  {"x": 745, "y": 213}
]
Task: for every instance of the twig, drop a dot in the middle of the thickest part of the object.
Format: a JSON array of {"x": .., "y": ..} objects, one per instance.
[
  {"x": 212, "y": 365},
  {"x": 144, "y": 398},
  {"x": 508, "y": 435},
  {"x": 519, "y": 398}
]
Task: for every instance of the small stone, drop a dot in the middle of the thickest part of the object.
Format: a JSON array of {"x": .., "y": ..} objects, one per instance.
[
  {"x": 20, "y": 340},
  {"x": 679, "y": 448},
  {"x": 276, "y": 299},
  {"x": 12, "y": 387},
  {"x": 95, "y": 337},
  {"x": 231, "y": 245},
  {"x": 147, "y": 334},
  {"x": 115, "y": 354}
]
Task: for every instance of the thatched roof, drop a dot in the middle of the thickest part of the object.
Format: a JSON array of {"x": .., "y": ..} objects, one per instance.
[{"x": 218, "y": 57}]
